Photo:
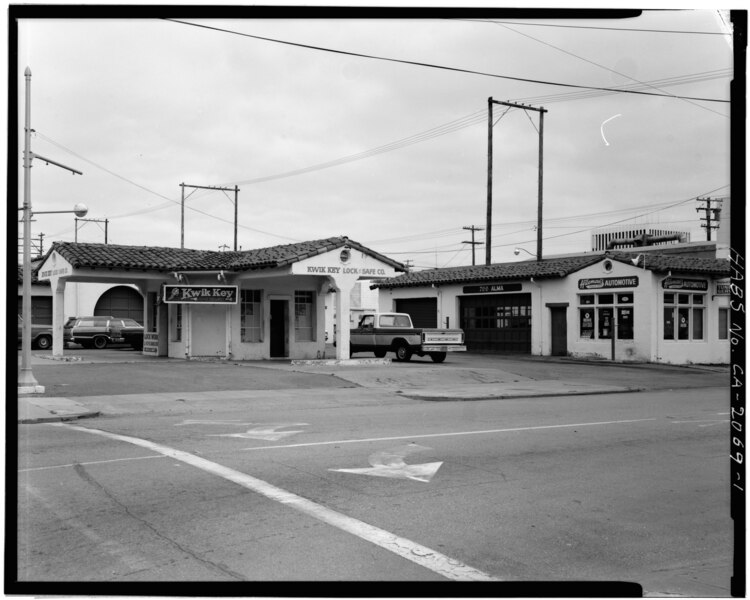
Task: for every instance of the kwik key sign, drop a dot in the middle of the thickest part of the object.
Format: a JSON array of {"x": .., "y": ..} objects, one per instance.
[{"x": 200, "y": 294}]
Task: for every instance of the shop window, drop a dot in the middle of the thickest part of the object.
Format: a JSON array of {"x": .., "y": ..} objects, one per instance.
[
  {"x": 250, "y": 316},
  {"x": 606, "y": 323},
  {"x": 176, "y": 322},
  {"x": 684, "y": 317},
  {"x": 723, "y": 323},
  {"x": 587, "y": 323},
  {"x": 303, "y": 316},
  {"x": 597, "y": 316},
  {"x": 625, "y": 323}
]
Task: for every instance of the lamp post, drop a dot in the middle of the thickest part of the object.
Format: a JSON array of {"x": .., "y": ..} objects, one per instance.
[{"x": 27, "y": 384}]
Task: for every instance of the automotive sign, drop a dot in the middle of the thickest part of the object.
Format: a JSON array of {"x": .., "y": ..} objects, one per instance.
[
  {"x": 676, "y": 283},
  {"x": 200, "y": 294},
  {"x": 607, "y": 282}
]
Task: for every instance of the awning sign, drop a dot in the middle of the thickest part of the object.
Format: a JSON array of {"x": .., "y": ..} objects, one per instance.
[
  {"x": 678, "y": 283},
  {"x": 493, "y": 287},
  {"x": 200, "y": 294},
  {"x": 607, "y": 282}
]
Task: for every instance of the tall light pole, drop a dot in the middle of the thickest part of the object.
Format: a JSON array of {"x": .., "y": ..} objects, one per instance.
[{"x": 27, "y": 384}]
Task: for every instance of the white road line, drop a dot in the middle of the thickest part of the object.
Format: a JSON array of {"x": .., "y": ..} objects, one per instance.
[
  {"x": 444, "y": 434},
  {"x": 421, "y": 555},
  {"x": 93, "y": 462}
]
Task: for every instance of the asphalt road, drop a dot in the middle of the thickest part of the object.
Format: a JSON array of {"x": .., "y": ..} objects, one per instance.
[{"x": 335, "y": 482}]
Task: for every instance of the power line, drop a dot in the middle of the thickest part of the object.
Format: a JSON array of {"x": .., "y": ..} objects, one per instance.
[
  {"x": 671, "y": 205},
  {"x": 624, "y": 29},
  {"x": 591, "y": 62},
  {"x": 441, "y": 67}
]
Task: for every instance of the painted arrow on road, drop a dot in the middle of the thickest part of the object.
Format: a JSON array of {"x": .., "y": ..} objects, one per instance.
[
  {"x": 203, "y": 422},
  {"x": 391, "y": 463},
  {"x": 268, "y": 432}
]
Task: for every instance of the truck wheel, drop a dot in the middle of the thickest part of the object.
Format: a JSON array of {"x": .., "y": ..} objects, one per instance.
[
  {"x": 438, "y": 357},
  {"x": 403, "y": 353},
  {"x": 44, "y": 342},
  {"x": 100, "y": 342},
  {"x": 379, "y": 353}
]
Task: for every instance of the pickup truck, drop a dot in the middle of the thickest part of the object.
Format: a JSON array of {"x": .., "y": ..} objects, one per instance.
[{"x": 393, "y": 332}]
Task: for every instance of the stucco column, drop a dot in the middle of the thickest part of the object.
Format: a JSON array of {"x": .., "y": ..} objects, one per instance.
[
  {"x": 58, "y": 314},
  {"x": 343, "y": 285}
]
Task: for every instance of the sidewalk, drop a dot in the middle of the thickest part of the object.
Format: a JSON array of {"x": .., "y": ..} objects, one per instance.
[
  {"x": 48, "y": 410},
  {"x": 425, "y": 382}
]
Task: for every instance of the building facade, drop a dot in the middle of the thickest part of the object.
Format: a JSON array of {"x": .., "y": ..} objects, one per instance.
[
  {"x": 647, "y": 307},
  {"x": 247, "y": 305}
]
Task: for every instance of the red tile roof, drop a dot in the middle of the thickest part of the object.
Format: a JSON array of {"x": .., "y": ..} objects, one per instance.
[
  {"x": 551, "y": 268},
  {"x": 150, "y": 258}
]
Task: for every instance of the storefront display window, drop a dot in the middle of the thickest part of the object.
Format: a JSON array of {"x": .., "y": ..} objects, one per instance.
[
  {"x": 303, "y": 316},
  {"x": 683, "y": 317},
  {"x": 597, "y": 316},
  {"x": 250, "y": 316}
]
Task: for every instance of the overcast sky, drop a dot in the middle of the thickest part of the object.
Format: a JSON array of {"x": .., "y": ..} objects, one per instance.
[{"x": 392, "y": 155}]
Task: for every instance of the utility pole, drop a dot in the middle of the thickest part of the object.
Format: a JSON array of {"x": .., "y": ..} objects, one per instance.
[
  {"x": 206, "y": 187},
  {"x": 472, "y": 242},
  {"x": 488, "y": 236},
  {"x": 711, "y": 215},
  {"x": 106, "y": 227},
  {"x": 541, "y": 112}
]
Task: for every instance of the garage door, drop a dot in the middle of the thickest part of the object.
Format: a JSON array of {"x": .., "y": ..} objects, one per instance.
[
  {"x": 423, "y": 311},
  {"x": 121, "y": 301},
  {"x": 498, "y": 323}
]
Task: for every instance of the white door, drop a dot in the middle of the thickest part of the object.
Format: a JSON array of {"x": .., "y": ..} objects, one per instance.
[{"x": 208, "y": 330}]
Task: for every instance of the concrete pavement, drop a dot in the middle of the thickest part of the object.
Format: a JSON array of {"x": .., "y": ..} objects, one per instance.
[{"x": 423, "y": 382}]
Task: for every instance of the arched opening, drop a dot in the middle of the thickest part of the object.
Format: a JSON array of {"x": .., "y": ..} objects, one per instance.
[{"x": 121, "y": 301}]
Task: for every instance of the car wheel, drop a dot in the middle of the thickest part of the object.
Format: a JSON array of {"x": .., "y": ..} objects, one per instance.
[
  {"x": 379, "y": 353},
  {"x": 438, "y": 357},
  {"x": 100, "y": 342},
  {"x": 403, "y": 353},
  {"x": 44, "y": 342}
]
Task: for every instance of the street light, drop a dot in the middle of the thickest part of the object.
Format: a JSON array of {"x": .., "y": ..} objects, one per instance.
[
  {"x": 517, "y": 251},
  {"x": 27, "y": 384}
]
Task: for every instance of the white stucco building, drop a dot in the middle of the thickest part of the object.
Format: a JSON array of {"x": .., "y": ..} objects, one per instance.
[
  {"x": 247, "y": 305},
  {"x": 668, "y": 308}
]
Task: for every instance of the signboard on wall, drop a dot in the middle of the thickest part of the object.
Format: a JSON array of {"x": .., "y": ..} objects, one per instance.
[
  {"x": 607, "y": 282},
  {"x": 151, "y": 343},
  {"x": 723, "y": 288},
  {"x": 492, "y": 287},
  {"x": 679, "y": 283},
  {"x": 200, "y": 294}
]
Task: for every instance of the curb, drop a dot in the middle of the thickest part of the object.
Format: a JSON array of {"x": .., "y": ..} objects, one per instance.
[
  {"x": 343, "y": 362},
  {"x": 512, "y": 395},
  {"x": 58, "y": 418}
]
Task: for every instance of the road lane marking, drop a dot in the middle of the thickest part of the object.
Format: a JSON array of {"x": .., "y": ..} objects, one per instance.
[
  {"x": 268, "y": 432},
  {"x": 92, "y": 462},
  {"x": 444, "y": 434},
  {"x": 391, "y": 463},
  {"x": 426, "y": 557},
  {"x": 204, "y": 422}
]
